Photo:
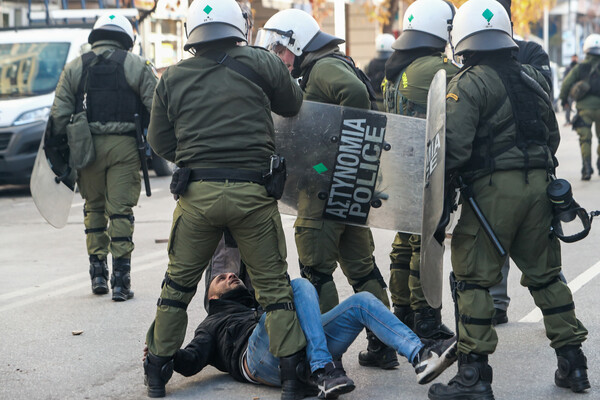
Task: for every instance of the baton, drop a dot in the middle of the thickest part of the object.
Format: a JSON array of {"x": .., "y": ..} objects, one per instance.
[
  {"x": 141, "y": 145},
  {"x": 487, "y": 228}
]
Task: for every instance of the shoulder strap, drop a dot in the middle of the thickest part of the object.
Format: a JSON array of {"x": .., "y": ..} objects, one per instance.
[
  {"x": 362, "y": 76},
  {"x": 224, "y": 59}
]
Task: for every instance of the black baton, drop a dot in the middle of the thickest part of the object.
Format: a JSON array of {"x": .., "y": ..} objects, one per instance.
[
  {"x": 468, "y": 194},
  {"x": 141, "y": 145}
]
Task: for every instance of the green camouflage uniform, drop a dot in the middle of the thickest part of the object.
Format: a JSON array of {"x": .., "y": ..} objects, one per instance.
[
  {"x": 514, "y": 202},
  {"x": 207, "y": 116},
  {"x": 588, "y": 109},
  {"x": 406, "y": 94},
  {"x": 321, "y": 243},
  {"x": 111, "y": 184}
]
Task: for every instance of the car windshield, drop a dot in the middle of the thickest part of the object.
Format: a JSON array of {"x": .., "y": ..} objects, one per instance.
[{"x": 30, "y": 69}]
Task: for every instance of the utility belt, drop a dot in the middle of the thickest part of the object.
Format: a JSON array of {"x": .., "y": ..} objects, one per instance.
[{"x": 273, "y": 179}]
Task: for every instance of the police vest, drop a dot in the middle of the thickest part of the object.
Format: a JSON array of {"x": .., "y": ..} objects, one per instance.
[
  {"x": 527, "y": 115},
  {"x": 395, "y": 102},
  {"x": 359, "y": 73},
  {"x": 104, "y": 92}
]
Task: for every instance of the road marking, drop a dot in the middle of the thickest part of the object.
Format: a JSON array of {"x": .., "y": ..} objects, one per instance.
[
  {"x": 157, "y": 190},
  {"x": 77, "y": 277},
  {"x": 574, "y": 285}
]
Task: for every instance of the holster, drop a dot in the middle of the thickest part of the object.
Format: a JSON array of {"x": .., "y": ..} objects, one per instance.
[
  {"x": 179, "y": 181},
  {"x": 274, "y": 180}
]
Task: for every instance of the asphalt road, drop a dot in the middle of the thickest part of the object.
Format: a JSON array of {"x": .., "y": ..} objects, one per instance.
[{"x": 45, "y": 295}]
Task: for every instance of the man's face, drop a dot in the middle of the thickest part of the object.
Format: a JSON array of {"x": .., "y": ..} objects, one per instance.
[
  {"x": 286, "y": 56},
  {"x": 222, "y": 284}
]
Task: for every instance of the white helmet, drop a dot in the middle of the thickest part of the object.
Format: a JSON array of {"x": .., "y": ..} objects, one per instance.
[
  {"x": 210, "y": 20},
  {"x": 383, "y": 42},
  {"x": 113, "y": 27},
  {"x": 591, "y": 45},
  {"x": 296, "y": 30},
  {"x": 426, "y": 23},
  {"x": 482, "y": 25}
]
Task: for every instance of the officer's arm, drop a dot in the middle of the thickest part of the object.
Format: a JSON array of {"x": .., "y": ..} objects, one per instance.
[
  {"x": 161, "y": 132},
  {"x": 570, "y": 79},
  {"x": 287, "y": 95},
  {"x": 196, "y": 355},
  {"x": 463, "y": 101},
  {"x": 141, "y": 76},
  {"x": 65, "y": 98},
  {"x": 340, "y": 85}
]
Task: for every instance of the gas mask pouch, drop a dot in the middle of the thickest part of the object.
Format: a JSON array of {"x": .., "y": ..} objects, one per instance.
[{"x": 571, "y": 222}]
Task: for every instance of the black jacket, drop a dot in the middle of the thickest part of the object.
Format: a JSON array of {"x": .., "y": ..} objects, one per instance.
[
  {"x": 533, "y": 54},
  {"x": 221, "y": 339}
]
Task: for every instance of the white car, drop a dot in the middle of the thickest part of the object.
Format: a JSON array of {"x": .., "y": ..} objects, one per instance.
[{"x": 31, "y": 61}]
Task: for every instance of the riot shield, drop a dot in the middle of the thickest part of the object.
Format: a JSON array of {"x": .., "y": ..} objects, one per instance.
[
  {"x": 432, "y": 252},
  {"x": 52, "y": 182},
  {"x": 354, "y": 166}
]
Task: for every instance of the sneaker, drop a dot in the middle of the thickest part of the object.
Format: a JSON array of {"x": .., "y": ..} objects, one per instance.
[
  {"x": 332, "y": 381},
  {"x": 434, "y": 358}
]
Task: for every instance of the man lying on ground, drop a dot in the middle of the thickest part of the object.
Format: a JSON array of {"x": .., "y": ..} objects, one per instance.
[{"x": 233, "y": 339}]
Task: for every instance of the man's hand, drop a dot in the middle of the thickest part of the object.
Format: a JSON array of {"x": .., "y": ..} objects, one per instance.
[
  {"x": 566, "y": 106},
  {"x": 145, "y": 353}
]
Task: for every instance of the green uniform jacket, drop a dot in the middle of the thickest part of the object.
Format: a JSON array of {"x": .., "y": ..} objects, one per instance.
[
  {"x": 590, "y": 101},
  {"x": 331, "y": 81},
  {"x": 139, "y": 74},
  {"x": 477, "y": 105},
  {"x": 206, "y": 115},
  {"x": 413, "y": 82}
]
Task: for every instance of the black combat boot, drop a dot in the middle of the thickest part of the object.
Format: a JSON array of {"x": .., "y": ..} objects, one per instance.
[
  {"x": 428, "y": 324},
  {"x": 157, "y": 372},
  {"x": 586, "y": 170},
  {"x": 572, "y": 369},
  {"x": 99, "y": 275},
  {"x": 377, "y": 354},
  {"x": 598, "y": 165},
  {"x": 472, "y": 382},
  {"x": 406, "y": 315},
  {"x": 294, "y": 380},
  {"x": 120, "y": 280}
]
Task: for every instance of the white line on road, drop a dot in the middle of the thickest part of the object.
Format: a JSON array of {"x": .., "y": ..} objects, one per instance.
[
  {"x": 574, "y": 285},
  {"x": 77, "y": 277}
]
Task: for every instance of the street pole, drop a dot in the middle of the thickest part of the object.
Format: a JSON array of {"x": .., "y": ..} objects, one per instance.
[{"x": 339, "y": 17}]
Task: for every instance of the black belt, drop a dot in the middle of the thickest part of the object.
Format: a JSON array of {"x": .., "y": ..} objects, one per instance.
[{"x": 226, "y": 174}]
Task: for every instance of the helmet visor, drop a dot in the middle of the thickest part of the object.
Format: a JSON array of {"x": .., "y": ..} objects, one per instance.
[{"x": 270, "y": 38}]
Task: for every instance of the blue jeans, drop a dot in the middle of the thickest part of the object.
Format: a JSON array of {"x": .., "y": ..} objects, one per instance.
[{"x": 329, "y": 335}]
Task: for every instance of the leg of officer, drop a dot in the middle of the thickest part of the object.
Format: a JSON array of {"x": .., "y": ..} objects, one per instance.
[
  {"x": 92, "y": 187},
  {"x": 317, "y": 243},
  {"x": 585, "y": 143},
  {"x": 191, "y": 244},
  {"x": 399, "y": 274},
  {"x": 499, "y": 293},
  {"x": 541, "y": 267},
  {"x": 123, "y": 185}
]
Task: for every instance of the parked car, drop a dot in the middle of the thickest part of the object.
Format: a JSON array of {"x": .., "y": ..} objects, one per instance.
[{"x": 31, "y": 61}]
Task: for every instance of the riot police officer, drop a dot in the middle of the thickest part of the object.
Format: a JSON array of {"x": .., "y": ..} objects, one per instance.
[
  {"x": 212, "y": 117},
  {"x": 418, "y": 56},
  {"x": 375, "y": 69},
  {"x": 588, "y": 102},
  {"x": 328, "y": 76},
  {"x": 108, "y": 85},
  {"x": 501, "y": 137}
]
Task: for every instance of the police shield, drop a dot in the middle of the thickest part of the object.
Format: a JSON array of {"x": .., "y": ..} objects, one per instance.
[
  {"x": 52, "y": 181},
  {"x": 432, "y": 252},
  {"x": 367, "y": 168}
]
